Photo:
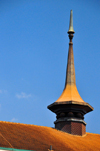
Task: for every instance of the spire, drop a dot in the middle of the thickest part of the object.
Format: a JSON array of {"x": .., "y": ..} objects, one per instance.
[
  {"x": 70, "y": 92},
  {"x": 71, "y": 30},
  {"x": 70, "y": 74}
]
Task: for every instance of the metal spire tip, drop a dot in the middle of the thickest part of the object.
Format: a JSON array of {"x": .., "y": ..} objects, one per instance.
[{"x": 71, "y": 30}]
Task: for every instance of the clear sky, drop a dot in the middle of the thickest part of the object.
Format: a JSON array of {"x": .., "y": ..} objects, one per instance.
[{"x": 33, "y": 58}]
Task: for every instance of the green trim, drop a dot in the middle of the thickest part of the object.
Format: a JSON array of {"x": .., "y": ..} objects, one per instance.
[{"x": 14, "y": 149}]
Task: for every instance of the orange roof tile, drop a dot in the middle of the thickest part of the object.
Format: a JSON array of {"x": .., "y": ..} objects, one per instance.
[{"x": 39, "y": 138}]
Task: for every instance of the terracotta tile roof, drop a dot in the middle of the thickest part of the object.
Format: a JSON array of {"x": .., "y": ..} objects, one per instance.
[{"x": 39, "y": 138}]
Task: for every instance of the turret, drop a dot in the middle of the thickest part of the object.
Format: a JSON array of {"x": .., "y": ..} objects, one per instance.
[{"x": 70, "y": 107}]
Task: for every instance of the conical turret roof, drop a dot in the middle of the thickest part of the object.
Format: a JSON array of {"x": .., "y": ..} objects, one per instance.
[{"x": 70, "y": 92}]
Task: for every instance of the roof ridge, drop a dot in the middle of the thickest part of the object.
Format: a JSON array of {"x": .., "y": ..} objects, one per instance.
[
  {"x": 15, "y": 123},
  {"x": 23, "y": 124}
]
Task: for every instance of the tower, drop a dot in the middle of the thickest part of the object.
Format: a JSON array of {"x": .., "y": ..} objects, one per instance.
[{"x": 70, "y": 107}]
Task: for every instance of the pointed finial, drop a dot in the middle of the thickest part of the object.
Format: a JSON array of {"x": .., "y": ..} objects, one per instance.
[{"x": 71, "y": 30}]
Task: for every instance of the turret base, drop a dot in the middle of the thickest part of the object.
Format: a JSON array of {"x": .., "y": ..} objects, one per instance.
[{"x": 71, "y": 126}]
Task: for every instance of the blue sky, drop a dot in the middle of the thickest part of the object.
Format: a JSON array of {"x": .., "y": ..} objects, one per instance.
[{"x": 33, "y": 58}]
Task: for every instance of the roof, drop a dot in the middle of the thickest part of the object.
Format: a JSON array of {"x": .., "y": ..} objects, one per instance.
[
  {"x": 70, "y": 93},
  {"x": 39, "y": 138}
]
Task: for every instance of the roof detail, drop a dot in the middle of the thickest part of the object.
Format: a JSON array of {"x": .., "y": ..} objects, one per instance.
[
  {"x": 32, "y": 137},
  {"x": 70, "y": 92}
]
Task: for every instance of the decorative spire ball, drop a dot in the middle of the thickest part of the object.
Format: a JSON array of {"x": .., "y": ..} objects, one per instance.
[{"x": 70, "y": 107}]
